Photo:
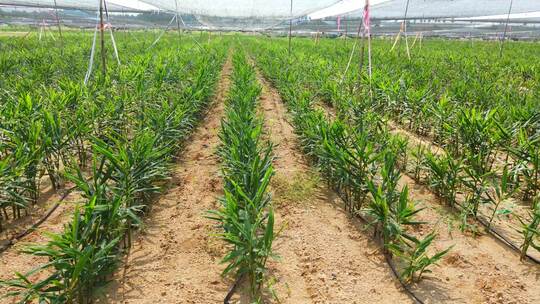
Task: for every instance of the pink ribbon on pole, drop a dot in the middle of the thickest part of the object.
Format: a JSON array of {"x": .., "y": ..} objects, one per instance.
[
  {"x": 366, "y": 18},
  {"x": 338, "y": 23}
]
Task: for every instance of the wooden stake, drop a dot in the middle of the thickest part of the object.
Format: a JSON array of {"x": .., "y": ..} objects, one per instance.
[
  {"x": 397, "y": 39},
  {"x": 111, "y": 32},
  {"x": 362, "y": 47},
  {"x": 405, "y": 30},
  {"x": 415, "y": 38},
  {"x": 368, "y": 31},
  {"x": 362, "y": 50},
  {"x": 41, "y": 29},
  {"x": 352, "y": 54}
]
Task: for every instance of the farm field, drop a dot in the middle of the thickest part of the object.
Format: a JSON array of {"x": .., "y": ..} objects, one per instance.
[{"x": 203, "y": 168}]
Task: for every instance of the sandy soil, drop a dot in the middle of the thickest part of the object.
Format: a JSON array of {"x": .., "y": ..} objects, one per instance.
[
  {"x": 12, "y": 260},
  {"x": 478, "y": 269},
  {"x": 507, "y": 225},
  {"x": 414, "y": 139},
  {"x": 175, "y": 259},
  {"x": 47, "y": 198},
  {"x": 325, "y": 257}
]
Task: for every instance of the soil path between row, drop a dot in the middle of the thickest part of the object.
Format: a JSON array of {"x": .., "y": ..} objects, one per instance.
[
  {"x": 176, "y": 258},
  {"x": 325, "y": 257}
]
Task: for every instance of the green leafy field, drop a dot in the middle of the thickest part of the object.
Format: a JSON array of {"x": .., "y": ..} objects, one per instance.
[{"x": 455, "y": 117}]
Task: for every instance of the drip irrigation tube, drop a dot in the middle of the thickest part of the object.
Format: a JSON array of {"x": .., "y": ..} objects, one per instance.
[
  {"x": 34, "y": 226},
  {"x": 491, "y": 230},
  {"x": 403, "y": 285},
  {"x": 500, "y": 236},
  {"x": 233, "y": 289},
  {"x": 390, "y": 264}
]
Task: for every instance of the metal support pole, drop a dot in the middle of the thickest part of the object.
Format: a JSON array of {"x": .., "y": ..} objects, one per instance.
[
  {"x": 290, "y": 28},
  {"x": 59, "y": 27},
  {"x": 368, "y": 29},
  {"x": 317, "y": 35},
  {"x": 362, "y": 47},
  {"x": 102, "y": 38},
  {"x": 405, "y": 30},
  {"x": 346, "y": 30},
  {"x": 505, "y": 28},
  {"x": 177, "y": 20}
]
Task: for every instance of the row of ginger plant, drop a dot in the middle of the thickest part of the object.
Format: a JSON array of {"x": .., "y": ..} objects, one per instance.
[
  {"x": 473, "y": 139},
  {"x": 361, "y": 162},
  {"x": 155, "y": 101},
  {"x": 490, "y": 141},
  {"x": 246, "y": 214},
  {"x": 478, "y": 115},
  {"x": 48, "y": 115},
  {"x": 44, "y": 117}
]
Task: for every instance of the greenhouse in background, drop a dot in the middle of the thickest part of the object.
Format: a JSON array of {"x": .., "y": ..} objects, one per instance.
[{"x": 270, "y": 151}]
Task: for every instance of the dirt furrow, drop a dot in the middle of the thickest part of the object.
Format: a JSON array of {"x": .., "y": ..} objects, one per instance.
[
  {"x": 176, "y": 258},
  {"x": 325, "y": 257},
  {"x": 415, "y": 139}
]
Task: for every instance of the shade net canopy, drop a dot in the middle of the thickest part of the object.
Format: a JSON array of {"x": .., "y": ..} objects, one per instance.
[
  {"x": 221, "y": 8},
  {"x": 307, "y": 15},
  {"x": 417, "y": 9},
  {"x": 112, "y": 5},
  {"x": 282, "y": 8}
]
